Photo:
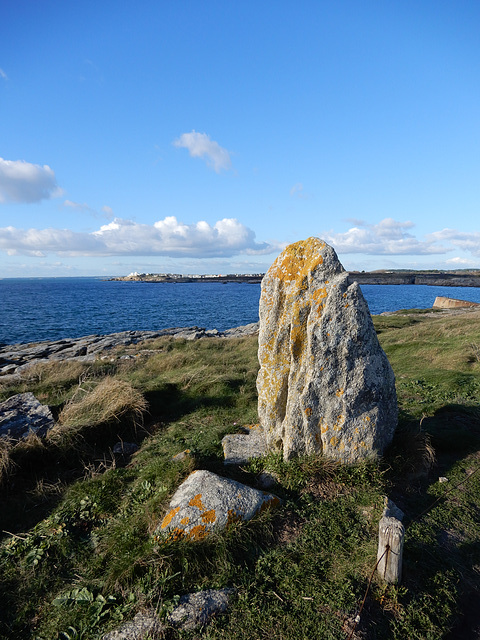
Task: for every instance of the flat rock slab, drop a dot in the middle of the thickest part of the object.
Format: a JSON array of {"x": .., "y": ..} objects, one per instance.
[
  {"x": 143, "y": 626},
  {"x": 452, "y": 303},
  {"x": 22, "y": 414},
  {"x": 196, "y": 609},
  {"x": 206, "y": 502},
  {"x": 193, "y": 610},
  {"x": 239, "y": 448}
]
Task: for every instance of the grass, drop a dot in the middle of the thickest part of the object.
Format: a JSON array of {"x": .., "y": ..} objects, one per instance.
[{"x": 82, "y": 554}]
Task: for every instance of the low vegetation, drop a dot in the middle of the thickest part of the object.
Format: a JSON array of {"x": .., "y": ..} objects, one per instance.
[{"x": 79, "y": 553}]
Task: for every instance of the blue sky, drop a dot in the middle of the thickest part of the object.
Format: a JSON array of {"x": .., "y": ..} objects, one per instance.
[{"x": 204, "y": 136}]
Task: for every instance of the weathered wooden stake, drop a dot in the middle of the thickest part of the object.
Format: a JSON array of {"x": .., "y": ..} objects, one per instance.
[{"x": 390, "y": 545}]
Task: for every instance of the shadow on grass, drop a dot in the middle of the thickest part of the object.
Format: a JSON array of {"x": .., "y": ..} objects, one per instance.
[
  {"x": 171, "y": 403},
  {"x": 42, "y": 471},
  {"x": 438, "y": 558}
]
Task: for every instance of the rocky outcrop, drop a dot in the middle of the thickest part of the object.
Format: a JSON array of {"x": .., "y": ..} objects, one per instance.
[
  {"x": 437, "y": 279},
  {"x": 23, "y": 414},
  {"x": 325, "y": 384},
  {"x": 14, "y": 359},
  {"x": 452, "y": 303},
  {"x": 206, "y": 502}
]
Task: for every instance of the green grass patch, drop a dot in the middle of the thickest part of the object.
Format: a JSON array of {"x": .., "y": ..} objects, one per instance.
[{"x": 80, "y": 552}]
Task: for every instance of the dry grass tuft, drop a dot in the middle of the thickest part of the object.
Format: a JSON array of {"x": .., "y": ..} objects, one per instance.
[
  {"x": 31, "y": 443},
  {"x": 54, "y": 373},
  {"x": 111, "y": 400},
  {"x": 6, "y": 462}
]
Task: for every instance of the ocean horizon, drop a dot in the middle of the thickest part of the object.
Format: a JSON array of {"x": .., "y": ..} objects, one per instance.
[{"x": 41, "y": 308}]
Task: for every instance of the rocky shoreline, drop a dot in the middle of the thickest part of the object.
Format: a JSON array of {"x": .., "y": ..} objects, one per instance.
[
  {"x": 439, "y": 278},
  {"x": 14, "y": 359}
]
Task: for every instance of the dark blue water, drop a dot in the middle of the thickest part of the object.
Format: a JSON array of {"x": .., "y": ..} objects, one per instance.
[{"x": 35, "y": 309}]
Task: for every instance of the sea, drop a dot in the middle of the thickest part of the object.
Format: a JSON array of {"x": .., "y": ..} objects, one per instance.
[{"x": 36, "y": 309}]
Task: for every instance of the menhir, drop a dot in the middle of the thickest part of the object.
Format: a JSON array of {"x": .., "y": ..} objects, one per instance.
[{"x": 325, "y": 384}]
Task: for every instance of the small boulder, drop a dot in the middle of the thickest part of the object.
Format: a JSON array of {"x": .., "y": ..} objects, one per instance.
[
  {"x": 239, "y": 448},
  {"x": 180, "y": 457},
  {"x": 325, "y": 384},
  {"x": 125, "y": 449},
  {"x": 22, "y": 414},
  {"x": 206, "y": 502}
]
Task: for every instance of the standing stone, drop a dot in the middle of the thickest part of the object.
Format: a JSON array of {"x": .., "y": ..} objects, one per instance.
[{"x": 325, "y": 384}]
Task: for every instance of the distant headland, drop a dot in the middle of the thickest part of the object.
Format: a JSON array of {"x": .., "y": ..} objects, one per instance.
[
  {"x": 178, "y": 277},
  {"x": 455, "y": 278}
]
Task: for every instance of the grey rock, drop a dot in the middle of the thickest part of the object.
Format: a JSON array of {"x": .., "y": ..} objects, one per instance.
[
  {"x": 190, "y": 334},
  {"x": 183, "y": 455},
  {"x": 196, "y": 609},
  {"x": 22, "y": 414},
  {"x": 205, "y": 502},
  {"x": 240, "y": 332},
  {"x": 142, "y": 626},
  {"x": 125, "y": 448},
  {"x": 325, "y": 384},
  {"x": 238, "y": 448},
  {"x": 267, "y": 480}
]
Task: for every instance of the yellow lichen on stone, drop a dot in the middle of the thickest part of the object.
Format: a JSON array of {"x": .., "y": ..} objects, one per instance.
[
  {"x": 269, "y": 503},
  {"x": 185, "y": 520},
  {"x": 334, "y": 441},
  {"x": 209, "y": 516},
  {"x": 196, "y": 501},
  {"x": 298, "y": 261},
  {"x": 233, "y": 516},
  {"x": 169, "y": 517},
  {"x": 319, "y": 294},
  {"x": 339, "y": 393},
  {"x": 198, "y": 532}
]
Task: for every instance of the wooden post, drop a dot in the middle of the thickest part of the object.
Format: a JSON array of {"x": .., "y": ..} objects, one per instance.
[{"x": 390, "y": 549}]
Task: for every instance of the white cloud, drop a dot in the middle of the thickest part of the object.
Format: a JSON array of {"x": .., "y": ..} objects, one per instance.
[
  {"x": 77, "y": 206},
  {"x": 388, "y": 237},
  {"x": 3, "y": 75},
  {"x": 108, "y": 211},
  {"x": 296, "y": 190},
  {"x": 83, "y": 207},
  {"x": 458, "y": 261},
  {"x": 22, "y": 181},
  {"x": 166, "y": 237},
  {"x": 461, "y": 240},
  {"x": 200, "y": 145}
]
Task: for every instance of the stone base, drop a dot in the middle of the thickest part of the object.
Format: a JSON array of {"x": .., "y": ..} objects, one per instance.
[{"x": 239, "y": 448}]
